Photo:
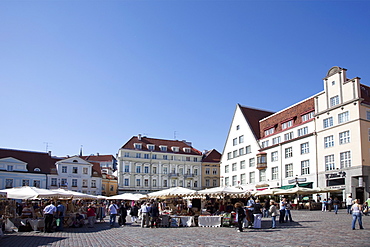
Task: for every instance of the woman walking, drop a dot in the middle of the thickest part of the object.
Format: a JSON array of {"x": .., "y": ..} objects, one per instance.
[
  {"x": 273, "y": 212},
  {"x": 356, "y": 214}
]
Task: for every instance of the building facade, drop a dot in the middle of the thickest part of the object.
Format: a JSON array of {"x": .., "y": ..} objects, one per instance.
[
  {"x": 322, "y": 141},
  {"x": 211, "y": 169},
  {"x": 149, "y": 164}
]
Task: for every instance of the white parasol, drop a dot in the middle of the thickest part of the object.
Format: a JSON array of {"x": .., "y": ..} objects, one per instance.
[
  {"x": 27, "y": 193},
  {"x": 127, "y": 196},
  {"x": 171, "y": 192}
]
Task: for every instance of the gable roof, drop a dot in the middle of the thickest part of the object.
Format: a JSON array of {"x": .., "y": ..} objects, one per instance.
[
  {"x": 212, "y": 156},
  {"x": 253, "y": 116},
  {"x": 160, "y": 142},
  {"x": 40, "y": 160},
  {"x": 99, "y": 158}
]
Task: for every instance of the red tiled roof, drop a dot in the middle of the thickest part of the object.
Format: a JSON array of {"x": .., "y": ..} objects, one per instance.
[
  {"x": 99, "y": 158},
  {"x": 40, "y": 160},
  {"x": 212, "y": 156},
  {"x": 253, "y": 116},
  {"x": 160, "y": 142},
  {"x": 293, "y": 112}
]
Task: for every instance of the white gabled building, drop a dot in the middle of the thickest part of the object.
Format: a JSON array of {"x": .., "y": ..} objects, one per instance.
[
  {"x": 149, "y": 164},
  {"x": 322, "y": 141}
]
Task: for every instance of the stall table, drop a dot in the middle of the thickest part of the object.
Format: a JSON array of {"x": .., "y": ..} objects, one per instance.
[
  {"x": 187, "y": 220},
  {"x": 209, "y": 221}
]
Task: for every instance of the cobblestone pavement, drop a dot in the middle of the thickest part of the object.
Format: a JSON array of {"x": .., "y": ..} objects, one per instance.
[{"x": 310, "y": 228}]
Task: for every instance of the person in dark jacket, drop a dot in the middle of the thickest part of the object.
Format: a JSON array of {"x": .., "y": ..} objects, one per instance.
[
  {"x": 257, "y": 213},
  {"x": 134, "y": 212},
  {"x": 240, "y": 214},
  {"x": 122, "y": 211},
  {"x": 153, "y": 214}
]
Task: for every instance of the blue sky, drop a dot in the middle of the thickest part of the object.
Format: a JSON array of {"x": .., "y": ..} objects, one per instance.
[{"x": 96, "y": 73}]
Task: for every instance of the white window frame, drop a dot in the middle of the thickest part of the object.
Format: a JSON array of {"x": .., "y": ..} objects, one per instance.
[
  {"x": 344, "y": 137},
  {"x": 329, "y": 162},
  {"x": 345, "y": 159},
  {"x": 289, "y": 170},
  {"x": 343, "y": 117},
  {"x": 334, "y": 101},
  {"x": 305, "y": 167},
  {"x": 274, "y": 173},
  {"x": 328, "y": 141},
  {"x": 328, "y": 122},
  {"x": 305, "y": 148}
]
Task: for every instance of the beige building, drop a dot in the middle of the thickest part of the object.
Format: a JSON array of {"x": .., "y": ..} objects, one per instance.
[{"x": 211, "y": 169}]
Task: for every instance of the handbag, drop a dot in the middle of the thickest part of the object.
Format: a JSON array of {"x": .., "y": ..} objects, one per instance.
[{"x": 57, "y": 221}]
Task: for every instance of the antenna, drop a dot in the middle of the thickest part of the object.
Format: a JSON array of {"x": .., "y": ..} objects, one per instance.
[
  {"x": 174, "y": 135},
  {"x": 47, "y": 146}
]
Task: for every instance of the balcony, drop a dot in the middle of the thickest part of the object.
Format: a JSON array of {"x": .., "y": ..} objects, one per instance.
[
  {"x": 261, "y": 161},
  {"x": 189, "y": 175},
  {"x": 173, "y": 174}
]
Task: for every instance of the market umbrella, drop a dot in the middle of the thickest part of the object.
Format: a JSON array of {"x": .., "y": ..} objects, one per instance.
[
  {"x": 27, "y": 193},
  {"x": 127, "y": 196},
  {"x": 297, "y": 191},
  {"x": 76, "y": 195},
  {"x": 267, "y": 192},
  {"x": 326, "y": 190},
  {"x": 171, "y": 192},
  {"x": 222, "y": 191}
]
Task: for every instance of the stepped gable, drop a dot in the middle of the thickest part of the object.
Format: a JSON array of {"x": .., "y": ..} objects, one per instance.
[
  {"x": 295, "y": 112},
  {"x": 253, "y": 116}
]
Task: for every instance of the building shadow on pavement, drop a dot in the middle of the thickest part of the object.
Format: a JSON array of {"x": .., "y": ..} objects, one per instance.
[{"x": 19, "y": 240}]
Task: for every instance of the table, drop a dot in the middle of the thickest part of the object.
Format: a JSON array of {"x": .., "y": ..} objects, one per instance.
[
  {"x": 209, "y": 221},
  {"x": 187, "y": 220}
]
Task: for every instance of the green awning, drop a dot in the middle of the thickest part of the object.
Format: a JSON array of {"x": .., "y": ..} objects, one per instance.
[{"x": 306, "y": 185}]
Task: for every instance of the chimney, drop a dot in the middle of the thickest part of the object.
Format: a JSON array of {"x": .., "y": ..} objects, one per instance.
[
  {"x": 49, "y": 153},
  {"x": 139, "y": 137},
  {"x": 97, "y": 154}
]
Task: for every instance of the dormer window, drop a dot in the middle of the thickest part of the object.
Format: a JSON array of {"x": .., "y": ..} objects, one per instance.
[
  {"x": 137, "y": 145},
  {"x": 150, "y": 146},
  {"x": 187, "y": 150},
  {"x": 269, "y": 131},
  {"x": 175, "y": 149},
  {"x": 287, "y": 124},
  {"x": 163, "y": 148},
  {"x": 76, "y": 161},
  {"x": 307, "y": 116},
  {"x": 37, "y": 169}
]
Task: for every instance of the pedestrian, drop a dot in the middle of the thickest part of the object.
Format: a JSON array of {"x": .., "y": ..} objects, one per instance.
[
  {"x": 357, "y": 214},
  {"x": 323, "y": 205},
  {"x": 266, "y": 208},
  {"x": 240, "y": 214},
  {"x": 113, "y": 210},
  {"x": 257, "y": 214},
  {"x": 282, "y": 206},
  {"x": 273, "y": 212},
  {"x": 336, "y": 203},
  {"x": 154, "y": 214},
  {"x": 60, "y": 215},
  {"x": 145, "y": 214},
  {"x": 349, "y": 202},
  {"x": 134, "y": 213},
  {"x": 329, "y": 204},
  {"x": 122, "y": 211},
  {"x": 90, "y": 216},
  {"x": 287, "y": 212},
  {"x": 250, "y": 209},
  {"x": 365, "y": 208},
  {"x": 49, "y": 212}
]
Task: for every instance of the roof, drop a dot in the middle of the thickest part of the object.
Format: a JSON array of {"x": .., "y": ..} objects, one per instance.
[
  {"x": 160, "y": 142},
  {"x": 365, "y": 93},
  {"x": 253, "y": 116},
  {"x": 212, "y": 156},
  {"x": 40, "y": 160},
  {"x": 99, "y": 158}
]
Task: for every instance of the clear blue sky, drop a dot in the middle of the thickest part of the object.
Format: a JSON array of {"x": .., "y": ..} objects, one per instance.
[{"x": 96, "y": 73}]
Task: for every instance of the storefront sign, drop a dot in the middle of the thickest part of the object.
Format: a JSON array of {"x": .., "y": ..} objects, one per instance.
[{"x": 335, "y": 175}]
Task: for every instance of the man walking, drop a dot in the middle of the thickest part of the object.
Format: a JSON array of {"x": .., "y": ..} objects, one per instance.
[
  {"x": 60, "y": 215},
  {"x": 145, "y": 214},
  {"x": 349, "y": 204},
  {"x": 49, "y": 212}
]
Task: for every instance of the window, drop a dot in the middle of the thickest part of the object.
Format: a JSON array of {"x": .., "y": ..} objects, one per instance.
[
  {"x": 214, "y": 171},
  {"x": 93, "y": 183},
  {"x": 8, "y": 183},
  {"x": 126, "y": 154},
  {"x": 274, "y": 156},
  {"x": 307, "y": 116},
  {"x": 146, "y": 169},
  {"x": 195, "y": 159},
  {"x": 345, "y": 159},
  {"x": 187, "y": 150},
  {"x": 26, "y": 182},
  {"x": 138, "y": 169},
  {"x": 165, "y": 183},
  {"x": 126, "y": 183},
  {"x": 251, "y": 162},
  {"x": 229, "y": 155},
  {"x": 214, "y": 184},
  {"x": 289, "y": 152},
  {"x": 74, "y": 169},
  {"x": 248, "y": 149},
  {"x": 368, "y": 115},
  {"x": 251, "y": 177},
  {"x": 151, "y": 147},
  {"x": 288, "y": 136},
  {"x": 234, "y": 182},
  {"x": 103, "y": 187},
  {"x": 64, "y": 169},
  {"x": 328, "y": 141},
  {"x": 243, "y": 179},
  {"x": 181, "y": 183},
  {"x": 63, "y": 182},
  {"x": 175, "y": 149},
  {"x": 242, "y": 164},
  {"x": 303, "y": 131},
  {"x": 269, "y": 131},
  {"x": 127, "y": 168},
  {"x": 233, "y": 167},
  {"x": 74, "y": 182},
  {"x": 241, "y": 139},
  {"x": 235, "y": 153},
  {"x": 165, "y": 157},
  {"x": 163, "y": 148},
  {"x": 262, "y": 175},
  {"x": 329, "y": 162},
  {"x": 334, "y": 101},
  {"x": 207, "y": 182},
  {"x": 53, "y": 182},
  {"x": 111, "y": 188},
  {"x": 276, "y": 140},
  {"x": 227, "y": 181},
  {"x": 146, "y": 182},
  {"x": 146, "y": 156},
  {"x": 235, "y": 141},
  {"x": 344, "y": 137},
  {"x": 37, "y": 183},
  {"x": 138, "y": 182},
  {"x": 207, "y": 171},
  {"x": 241, "y": 151},
  {"x": 265, "y": 144},
  {"x": 287, "y": 124},
  {"x": 328, "y": 122},
  {"x": 227, "y": 169},
  {"x": 165, "y": 170},
  {"x": 305, "y": 167},
  {"x": 305, "y": 148},
  {"x": 343, "y": 117},
  {"x": 154, "y": 184},
  {"x": 288, "y": 170},
  {"x": 10, "y": 168},
  {"x": 137, "y": 145},
  {"x": 238, "y": 127},
  {"x": 275, "y": 173},
  {"x": 84, "y": 183},
  {"x": 85, "y": 170}
]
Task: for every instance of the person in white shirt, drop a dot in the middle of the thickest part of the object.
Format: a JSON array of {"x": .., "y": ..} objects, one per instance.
[
  {"x": 349, "y": 203},
  {"x": 145, "y": 214},
  {"x": 49, "y": 212},
  {"x": 112, "y": 213}
]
